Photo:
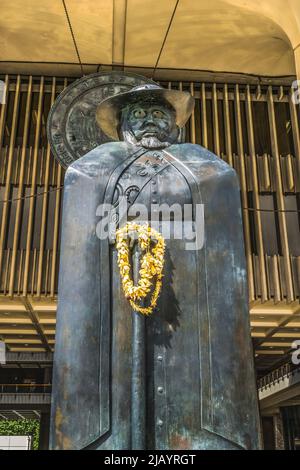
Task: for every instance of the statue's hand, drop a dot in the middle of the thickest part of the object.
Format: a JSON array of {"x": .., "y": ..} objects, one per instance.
[{"x": 132, "y": 239}]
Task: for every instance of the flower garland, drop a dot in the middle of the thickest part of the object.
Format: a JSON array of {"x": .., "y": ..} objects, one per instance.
[{"x": 151, "y": 264}]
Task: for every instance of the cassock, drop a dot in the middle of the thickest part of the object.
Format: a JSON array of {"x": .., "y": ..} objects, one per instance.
[{"x": 200, "y": 385}]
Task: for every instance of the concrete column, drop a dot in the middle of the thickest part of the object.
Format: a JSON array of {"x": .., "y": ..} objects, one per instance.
[
  {"x": 268, "y": 432},
  {"x": 278, "y": 432},
  {"x": 47, "y": 375},
  {"x": 44, "y": 431}
]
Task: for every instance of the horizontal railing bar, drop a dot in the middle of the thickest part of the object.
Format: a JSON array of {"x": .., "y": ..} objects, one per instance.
[{"x": 197, "y": 94}]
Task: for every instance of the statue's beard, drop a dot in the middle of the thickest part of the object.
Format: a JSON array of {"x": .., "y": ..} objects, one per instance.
[{"x": 151, "y": 142}]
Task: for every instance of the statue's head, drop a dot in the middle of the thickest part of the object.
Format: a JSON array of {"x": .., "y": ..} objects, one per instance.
[
  {"x": 149, "y": 124},
  {"x": 148, "y": 115}
]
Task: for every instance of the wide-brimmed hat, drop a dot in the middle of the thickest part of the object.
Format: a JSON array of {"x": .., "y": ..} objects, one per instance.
[{"x": 109, "y": 111}]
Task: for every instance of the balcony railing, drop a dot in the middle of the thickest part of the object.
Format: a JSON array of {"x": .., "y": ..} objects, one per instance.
[
  {"x": 277, "y": 375},
  {"x": 25, "y": 388}
]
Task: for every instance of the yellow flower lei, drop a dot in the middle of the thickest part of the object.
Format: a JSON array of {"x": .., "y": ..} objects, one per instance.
[{"x": 151, "y": 265}]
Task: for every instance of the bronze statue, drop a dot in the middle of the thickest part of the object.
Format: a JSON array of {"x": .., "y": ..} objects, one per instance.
[{"x": 182, "y": 377}]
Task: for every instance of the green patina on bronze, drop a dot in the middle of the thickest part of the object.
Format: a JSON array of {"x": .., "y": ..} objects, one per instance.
[{"x": 182, "y": 378}]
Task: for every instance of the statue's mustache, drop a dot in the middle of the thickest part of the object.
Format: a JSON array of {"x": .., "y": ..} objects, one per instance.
[{"x": 148, "y": 128}]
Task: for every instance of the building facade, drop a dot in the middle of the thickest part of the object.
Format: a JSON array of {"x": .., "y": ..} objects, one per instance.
[{"x": 240, "y": 63}]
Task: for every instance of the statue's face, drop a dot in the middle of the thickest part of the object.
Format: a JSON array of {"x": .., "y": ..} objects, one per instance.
[{"x": 151, "y": 126}]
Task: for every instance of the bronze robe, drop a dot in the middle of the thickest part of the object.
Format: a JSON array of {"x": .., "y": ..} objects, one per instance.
[{"x": 200, "y": 383}]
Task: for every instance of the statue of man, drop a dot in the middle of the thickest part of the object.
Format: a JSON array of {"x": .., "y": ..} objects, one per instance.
[{"x": 183, "y": 377}]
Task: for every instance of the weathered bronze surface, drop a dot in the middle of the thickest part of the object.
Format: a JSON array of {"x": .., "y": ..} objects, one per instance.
[
  {"x": 182, "y": 378},
  {"x": 72, "y": 128}
]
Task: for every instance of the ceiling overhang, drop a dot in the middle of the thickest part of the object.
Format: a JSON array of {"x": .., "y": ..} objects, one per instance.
[{"x": 220, "y": 36}]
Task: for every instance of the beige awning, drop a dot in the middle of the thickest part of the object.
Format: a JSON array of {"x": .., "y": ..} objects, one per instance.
[{"x": 244, "y": 36}]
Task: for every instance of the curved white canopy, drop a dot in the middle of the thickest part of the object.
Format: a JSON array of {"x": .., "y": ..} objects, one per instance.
[{"x": 248, "y": 36}]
